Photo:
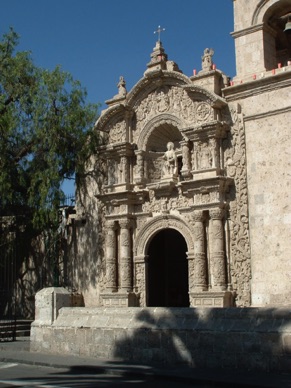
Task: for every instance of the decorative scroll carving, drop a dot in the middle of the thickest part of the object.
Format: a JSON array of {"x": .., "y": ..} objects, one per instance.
[{"x": 238, "y": 211}]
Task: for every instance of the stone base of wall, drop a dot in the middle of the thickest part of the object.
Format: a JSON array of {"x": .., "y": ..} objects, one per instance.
[{"x": 251, "y": 338}]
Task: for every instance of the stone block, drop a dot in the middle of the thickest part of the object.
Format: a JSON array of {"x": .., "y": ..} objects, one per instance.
[{"x": 48, "y": 302}]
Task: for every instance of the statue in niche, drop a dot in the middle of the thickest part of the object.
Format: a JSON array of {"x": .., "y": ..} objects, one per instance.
[{"x": 170, "y": 167}]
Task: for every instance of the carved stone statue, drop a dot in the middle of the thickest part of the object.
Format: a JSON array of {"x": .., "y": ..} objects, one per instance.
[
  {"x": 207, "y": 59},
  {"x": 170, "y": 167},
  {"x": 121, "y": 87}
]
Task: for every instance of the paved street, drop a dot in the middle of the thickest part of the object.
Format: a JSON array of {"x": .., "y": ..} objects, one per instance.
[{"x": 16, "y": 375}]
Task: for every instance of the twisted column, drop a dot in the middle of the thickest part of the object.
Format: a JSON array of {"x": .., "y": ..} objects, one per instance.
[
  {"x": 217, "y": 254},
  {"x": 200, "y": 264},
  {"x": 110, "y": 258},
  {"x": 125, "y": 256}
]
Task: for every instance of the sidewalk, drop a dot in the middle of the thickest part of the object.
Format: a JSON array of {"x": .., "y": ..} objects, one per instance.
[{"x": 18, "y": 352}]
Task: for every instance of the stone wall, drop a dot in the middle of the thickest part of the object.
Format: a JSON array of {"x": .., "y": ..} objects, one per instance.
[{"x": 250, "y": 338}]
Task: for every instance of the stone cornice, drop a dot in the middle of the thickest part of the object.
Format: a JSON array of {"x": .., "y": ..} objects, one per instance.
[
  {"x": 108, "y": 114},
  {"x": 217, "y": 102},
  {"x": 247, "y": 31},
  {"x": 263, "y": 115},
  {"x": 258, "y": 86}
]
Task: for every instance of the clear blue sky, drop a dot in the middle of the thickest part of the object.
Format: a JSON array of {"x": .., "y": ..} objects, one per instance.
[{"x": 99, "y": 40}]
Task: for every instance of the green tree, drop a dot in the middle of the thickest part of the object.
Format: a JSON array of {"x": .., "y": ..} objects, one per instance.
[{"x": 45, "y": 132}]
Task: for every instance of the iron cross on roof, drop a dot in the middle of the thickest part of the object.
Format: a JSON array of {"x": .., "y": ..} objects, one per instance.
[{"x": 158, "y": 31}]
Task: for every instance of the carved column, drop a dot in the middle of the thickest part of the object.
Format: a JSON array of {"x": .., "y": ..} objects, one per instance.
[
  {"x": 110, "y": 246},
  {"x": 185, "y": 171},
  {"x": 124, "y": 170},
  {"x": 200, "y": 265},
  {"x": 125, "y": 256},
  {"x": 139, "y": 177},
  {"x": 217, "y": 254}
]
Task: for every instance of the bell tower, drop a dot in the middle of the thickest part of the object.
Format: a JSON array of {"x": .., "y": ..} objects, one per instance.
[
  {"x": 262, "y": 33},
  {"x": 261, "y": 91}
]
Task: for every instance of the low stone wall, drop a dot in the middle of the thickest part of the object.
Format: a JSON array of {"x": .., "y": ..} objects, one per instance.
[{"x": 250, "y": 338}]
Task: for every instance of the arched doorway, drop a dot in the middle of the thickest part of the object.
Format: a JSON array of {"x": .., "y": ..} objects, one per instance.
[{"x": 167, "y": 276}]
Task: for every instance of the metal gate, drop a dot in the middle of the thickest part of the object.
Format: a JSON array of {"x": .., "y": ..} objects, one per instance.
[{"x": 8, "y": 254}]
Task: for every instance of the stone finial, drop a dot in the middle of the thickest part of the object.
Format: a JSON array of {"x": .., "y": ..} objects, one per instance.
[
  {"x": 158, "y": 58},
  {"x": 207, "y": 62},
  {"x": 121, "y": 87}
]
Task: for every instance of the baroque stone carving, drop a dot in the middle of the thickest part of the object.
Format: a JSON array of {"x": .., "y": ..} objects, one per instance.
[
  {"x": 172, "y": 100},
  {"x": 239, "y": 227},
  {"x": 170, "y": 167},
  {"x": 207, "y": 59},
  {"x": 159, "y": 223},
  {"x": 204, "y": 155},
  {"x": 117, "y": 132}
]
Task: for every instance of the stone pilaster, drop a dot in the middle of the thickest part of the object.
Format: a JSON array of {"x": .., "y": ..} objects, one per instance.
[
  {"x": 125, "y": 256},
  {"x": 111, "y": 268},
  {"x": 217, "y": 254},
  {"x": 140, "y": 287},
  {"x": 200, "y": 264}
]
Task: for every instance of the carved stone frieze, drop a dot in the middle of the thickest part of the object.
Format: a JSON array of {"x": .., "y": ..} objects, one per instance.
[
  {"x": 117, "y": 133},
  {"x": 175, "y": 101},
  {"x": 205, "y": 155}
]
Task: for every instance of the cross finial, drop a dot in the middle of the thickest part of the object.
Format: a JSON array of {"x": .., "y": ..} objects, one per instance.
[{"x": 158, "y": 31}]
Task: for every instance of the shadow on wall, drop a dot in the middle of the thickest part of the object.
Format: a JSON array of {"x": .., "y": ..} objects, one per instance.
[{"x": 249, "y": 339}]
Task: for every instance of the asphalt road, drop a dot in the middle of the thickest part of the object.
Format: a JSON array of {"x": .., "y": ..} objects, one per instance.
[{"x": 26, "y": 376}]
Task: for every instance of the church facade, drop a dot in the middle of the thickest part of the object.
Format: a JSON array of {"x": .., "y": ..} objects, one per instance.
[{"x": 187, "y": 200}]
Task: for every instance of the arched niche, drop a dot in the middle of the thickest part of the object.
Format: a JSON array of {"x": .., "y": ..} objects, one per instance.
[
  {"x": 163, "y": 127},
  {"x": 276, "y": 43}
]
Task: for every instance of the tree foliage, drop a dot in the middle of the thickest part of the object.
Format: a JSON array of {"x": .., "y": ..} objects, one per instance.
[{"x": 45, "y": 131}]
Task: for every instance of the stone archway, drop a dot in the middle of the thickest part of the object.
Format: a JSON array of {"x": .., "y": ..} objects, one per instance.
[
  {"x": 142, "y": 248},
  {"x": 167, "y": 270}
]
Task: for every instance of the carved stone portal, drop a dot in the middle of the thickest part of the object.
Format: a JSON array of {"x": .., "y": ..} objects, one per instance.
[{"x": 171, "y": 166}]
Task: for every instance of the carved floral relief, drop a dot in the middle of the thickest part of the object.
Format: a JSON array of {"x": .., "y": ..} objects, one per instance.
[
  {"x": 235, "y": 163},
  {"x": 117, "y": 133},
  {"x": 174, "y": 100}
]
